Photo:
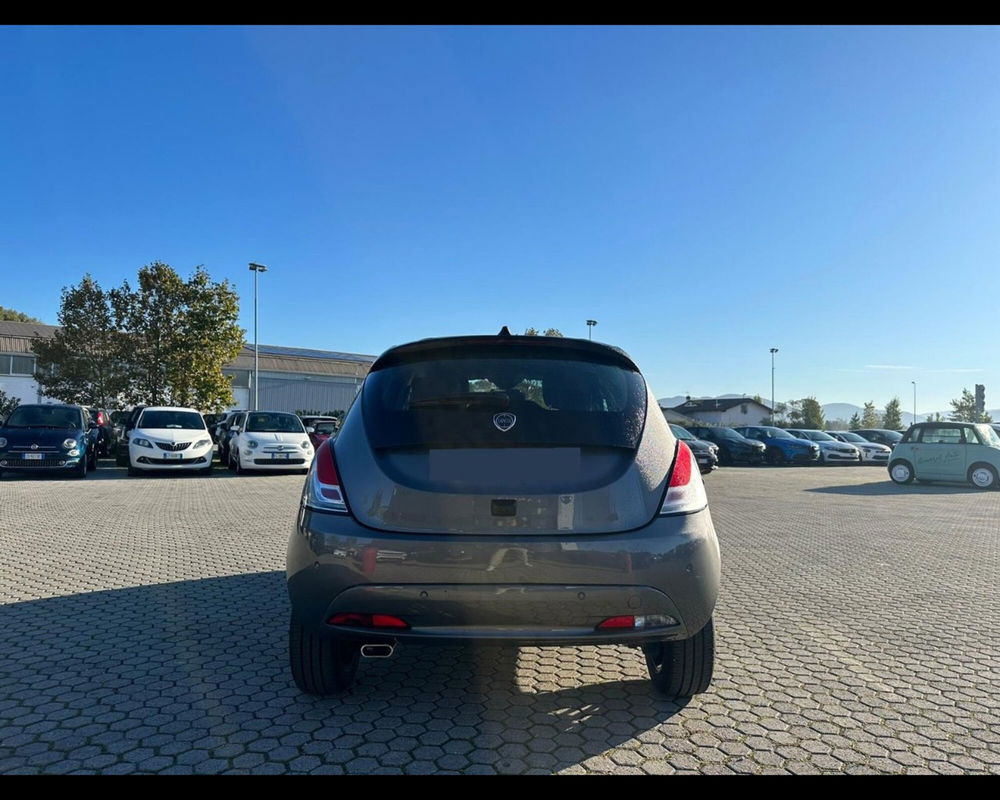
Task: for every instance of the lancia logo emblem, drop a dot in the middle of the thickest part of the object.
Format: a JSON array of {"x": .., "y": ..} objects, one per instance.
[
  {"x": 34, "y": 447},
  {"x": 504, "y": 421}
]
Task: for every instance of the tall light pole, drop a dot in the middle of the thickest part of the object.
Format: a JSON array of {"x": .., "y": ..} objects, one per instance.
[
  {"x": 773, "y": 351},
  {"x": 590, "y": 327},
  {"x": 256, "y": 269},
  {"x": 914, "y": 402}
]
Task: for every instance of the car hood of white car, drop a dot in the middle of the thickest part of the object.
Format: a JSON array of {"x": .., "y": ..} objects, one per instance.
[
  {"x": 836, "y": 445},
  {"x": 171, "y": 435},
  {"x": 271, "y": 437}
]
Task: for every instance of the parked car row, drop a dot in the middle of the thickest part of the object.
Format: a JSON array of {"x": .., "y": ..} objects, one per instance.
[{"x": 757, "y": 444}]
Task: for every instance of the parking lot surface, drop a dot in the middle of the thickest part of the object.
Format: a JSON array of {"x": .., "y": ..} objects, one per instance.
[{"x": 143, "y": 630}]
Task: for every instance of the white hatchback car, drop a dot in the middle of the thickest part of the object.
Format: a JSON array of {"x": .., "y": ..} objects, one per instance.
[
  {"x": 167, "y": 438},
  {"x": 270, "y": 440}
]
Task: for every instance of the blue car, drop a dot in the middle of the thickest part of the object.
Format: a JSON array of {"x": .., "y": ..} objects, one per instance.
[
  {"x": 782, "y": 447},
  {"x": 48, "y": 439}
]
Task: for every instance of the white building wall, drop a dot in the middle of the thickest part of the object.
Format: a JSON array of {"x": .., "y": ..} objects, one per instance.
[{"x": 24, "y": 388}]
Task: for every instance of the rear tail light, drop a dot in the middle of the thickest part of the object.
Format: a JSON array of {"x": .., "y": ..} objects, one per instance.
[
  {"x": 323, "y": 491},
  {"x": 356, "y": 620},
  {"x": 629, "y": 622},
  {"x": 686, "y": 490}
]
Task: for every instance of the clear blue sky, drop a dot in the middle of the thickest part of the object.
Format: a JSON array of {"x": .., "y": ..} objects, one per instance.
[{"x": 704, "y": 193}]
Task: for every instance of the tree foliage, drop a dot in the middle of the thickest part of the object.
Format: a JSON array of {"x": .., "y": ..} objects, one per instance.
[
  {"x": 870, "y": 417},
  {"x": 7, "y": 404},
  {"x": 82, "y": 362},
  {"x": 10, "y": 315},
  {"x": 164, "y": 342},
  {"x": 963, "y": 409},
  {"x": 855, "y": 421},
  {"x": 893, "y": 416},
  {"x": 812, "y": 414},
  {"x": 548, "y": 332}
]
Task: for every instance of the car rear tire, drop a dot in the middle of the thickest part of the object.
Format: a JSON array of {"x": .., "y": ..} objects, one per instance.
[
  {"x": 983, "y": 476},
  {"x": 321, "y": 665},
  {"x": 901, "y": 472},
  {"x": 682, "y": 668}
]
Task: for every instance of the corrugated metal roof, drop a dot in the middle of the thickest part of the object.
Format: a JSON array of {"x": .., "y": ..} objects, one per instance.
[
  {"x": 15, "y": 337},
  {"x": 26, "y": 330}
]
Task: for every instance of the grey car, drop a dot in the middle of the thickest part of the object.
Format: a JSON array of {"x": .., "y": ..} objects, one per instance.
[{"x": 503, "y": 490}]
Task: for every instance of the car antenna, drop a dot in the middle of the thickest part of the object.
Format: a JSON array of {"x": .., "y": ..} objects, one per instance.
[{"x": 504, "y": 332}]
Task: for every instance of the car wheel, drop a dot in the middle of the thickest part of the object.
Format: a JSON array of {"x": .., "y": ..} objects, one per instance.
[
  {"x": 901, "y": 472},
  {"x": 775, "y": 457},
  {"x": 983, "y": 476},
  {"x": 239, "y": 466},
  {"x": 320, "y": 665},
  {"x": 682, "y": 668}
]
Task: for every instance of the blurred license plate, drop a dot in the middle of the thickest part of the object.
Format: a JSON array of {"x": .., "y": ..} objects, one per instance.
[
  {"x": 173, "y": 455},
  {"x": 34, "y": 456},
  {"x": 280, "y": 456}
]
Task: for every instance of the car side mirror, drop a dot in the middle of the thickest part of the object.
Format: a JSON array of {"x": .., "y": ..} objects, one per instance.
[{"x": 310, "y": 429}]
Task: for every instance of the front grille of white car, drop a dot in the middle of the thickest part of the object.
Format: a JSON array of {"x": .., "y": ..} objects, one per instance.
[{"x": 173, "y": 446}]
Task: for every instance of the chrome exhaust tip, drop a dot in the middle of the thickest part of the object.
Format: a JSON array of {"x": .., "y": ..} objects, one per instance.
[{"x": 377, "y": 650}]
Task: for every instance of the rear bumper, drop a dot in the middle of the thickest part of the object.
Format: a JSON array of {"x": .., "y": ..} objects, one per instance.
[{"x": 528, "y": 589}]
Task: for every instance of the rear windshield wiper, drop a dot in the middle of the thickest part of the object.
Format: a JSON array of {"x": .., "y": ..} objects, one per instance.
[{"x": 493, "y": 400}]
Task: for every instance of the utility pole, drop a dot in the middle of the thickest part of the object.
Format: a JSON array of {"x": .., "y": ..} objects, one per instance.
[
  {"x": 773, "y": 351},
  {"x": 256, "y": 269},
  {"x": 914, "y": 402},
  {"x": 590, "y": 327}
]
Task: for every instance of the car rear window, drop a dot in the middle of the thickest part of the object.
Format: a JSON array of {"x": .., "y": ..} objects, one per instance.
[{"x": 489, "y": 397}]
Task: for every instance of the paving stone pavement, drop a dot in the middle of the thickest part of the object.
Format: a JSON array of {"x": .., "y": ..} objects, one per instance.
[{"x": 142, "y": 629}]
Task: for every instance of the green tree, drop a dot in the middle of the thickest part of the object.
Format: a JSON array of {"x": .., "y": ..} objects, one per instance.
[
  {"x": 893, "y": 416},
  {"x": 7, "y": 404},
  {"x": 935, "y": 417},
  {"x": 855, "y": 421},
  {"x": 870, "y": 417},
  {"x": 181, "y": 334},
  {"x": 548, "y": 332},
  {"x": 964, "y": 409},
  {"x": 85, "y": 361},
  {"x": 10, "y": 315},
  {"x": 795, "y": 416},
  {"x": 812, "y": 414}
]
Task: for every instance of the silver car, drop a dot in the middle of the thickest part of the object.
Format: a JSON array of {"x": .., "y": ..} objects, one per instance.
[{"x": 503, "y": 490}]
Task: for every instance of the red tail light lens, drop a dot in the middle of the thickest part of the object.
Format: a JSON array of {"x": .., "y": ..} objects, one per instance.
[
  {"x": 617, "y": 622},
  {"x": 323, "y": 491},
  {"x": 685, "y": 490},
  {"x": 368, "y": 621}
]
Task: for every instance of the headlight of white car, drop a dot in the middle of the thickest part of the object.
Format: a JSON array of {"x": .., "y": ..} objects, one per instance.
[
  {"x": 69, "y": 444},
  {"x": 252, "y": 443},
  {"x": 202, "y": 443},
  {"x": 140, "y": 442},
  {"x": 306, "y": 445}
]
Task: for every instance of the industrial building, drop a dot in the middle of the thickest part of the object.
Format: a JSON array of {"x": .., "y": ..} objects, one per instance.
[{"x": 291, "y": 378}]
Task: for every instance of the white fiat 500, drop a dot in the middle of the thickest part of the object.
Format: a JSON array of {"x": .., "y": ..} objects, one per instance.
[
  {"x": 270, "y": 440},
  {"x": 169, "y": 438}
]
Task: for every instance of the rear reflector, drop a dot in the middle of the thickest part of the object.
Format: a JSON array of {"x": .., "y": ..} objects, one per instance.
[
  {"x": 617, "y": 622},
  {"x": 368, "y": 620},
  {"x": 629, "y": 622},
  {"x": 685, "y": 490}
]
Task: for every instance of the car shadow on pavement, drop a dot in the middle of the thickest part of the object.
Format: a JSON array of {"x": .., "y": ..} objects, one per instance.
[
  {"x": 887, "y": 487},
  {"x": 193, "y": 676}
]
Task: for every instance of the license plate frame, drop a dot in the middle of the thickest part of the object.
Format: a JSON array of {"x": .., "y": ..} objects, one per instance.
[{"x": 33, "y": 456}]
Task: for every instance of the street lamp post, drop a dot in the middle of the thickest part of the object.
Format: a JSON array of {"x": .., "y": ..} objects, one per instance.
[
  {"x": 773, "y": 351},
  {"x": 914, "y": 402},
  {"x": 256, "y": 269},
  {"x": 590, "y": 327}
]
